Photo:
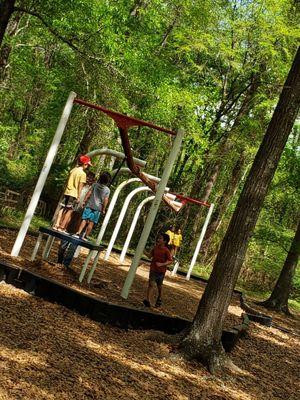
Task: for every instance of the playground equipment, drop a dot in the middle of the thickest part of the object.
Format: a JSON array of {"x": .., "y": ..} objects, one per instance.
[
  {"x": 121, "y": 217},
  {"x": 124, "y": 123},
  {"x": 132, "y": 226},
  {"x": 199, "y": 243},
  {"x": 134, "y": 166}
]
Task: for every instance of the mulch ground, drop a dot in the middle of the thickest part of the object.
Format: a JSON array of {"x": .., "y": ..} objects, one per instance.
[
  {"x": 50, "y": 352},
  {"x": 180, "y": 298}
]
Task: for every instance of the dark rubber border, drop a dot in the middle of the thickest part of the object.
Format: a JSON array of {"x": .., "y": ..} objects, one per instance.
[{"x": 100, "y": 311}]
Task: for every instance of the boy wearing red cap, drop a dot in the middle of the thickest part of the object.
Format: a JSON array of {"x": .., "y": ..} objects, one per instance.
[{"x": 76, "y": 181}]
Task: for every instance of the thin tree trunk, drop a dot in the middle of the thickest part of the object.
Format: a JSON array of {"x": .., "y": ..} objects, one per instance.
[
  {"x": 139, "y": 4},
  {"x": 89, "y": 133},
  {"x": 6, "y": 10},
  {"x": 278, "y": 300},
  {"x": 224, "y": 147},
  {"x": 210, "y": 177},
  {"x": 224, "y": 201},
  {"x": 203, "y": 341},
  {"x": 170, "y": 29}
]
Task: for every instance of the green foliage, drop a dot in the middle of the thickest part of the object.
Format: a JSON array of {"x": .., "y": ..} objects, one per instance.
[{"x": 13, "y": 218}]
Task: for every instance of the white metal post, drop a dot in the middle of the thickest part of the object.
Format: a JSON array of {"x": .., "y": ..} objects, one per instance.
[
  {"x": 132, "y": 226},
  {"x": 175, "y": 269},
  {"x": 43, "y": 175},
  {"x": 202, "y": 234},
  {"x": 152, "y": 213},
  {"x": 36, "y": 247},
  {"x": 121, "y": 217}
]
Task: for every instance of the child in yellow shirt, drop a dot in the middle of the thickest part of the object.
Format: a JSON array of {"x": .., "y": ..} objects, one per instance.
[{"x": 177, "y": 240}]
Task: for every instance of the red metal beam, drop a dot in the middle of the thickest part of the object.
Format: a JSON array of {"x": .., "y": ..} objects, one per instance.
[
  {"x": 135, "y": 169},
  {"x": 187, "y": 199},
  {"x": 123, "y": 121}
]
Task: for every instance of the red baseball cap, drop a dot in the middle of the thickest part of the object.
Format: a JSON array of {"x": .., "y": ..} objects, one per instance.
[{"x": 85, "y": 160}]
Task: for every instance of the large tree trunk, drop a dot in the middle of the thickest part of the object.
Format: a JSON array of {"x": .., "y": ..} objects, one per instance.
[
  {"x": 203, "y": 341},
  {"x": 278, "y": 300},
  {"x": 6, "y": 10}
]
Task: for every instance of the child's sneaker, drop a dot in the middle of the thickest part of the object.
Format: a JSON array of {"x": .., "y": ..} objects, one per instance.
[{"x": 146, "y": 303}]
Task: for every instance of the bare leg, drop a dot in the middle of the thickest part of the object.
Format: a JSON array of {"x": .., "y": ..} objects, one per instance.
[
  {"x": 89, "y": 228},
  {"x": 159, "y": 288},
  {"x": 58, "y": 218},
  {"x": 67, "y": 218},
  {"x": 150, "y": 290},
  {"x": 81, "y": 226}
]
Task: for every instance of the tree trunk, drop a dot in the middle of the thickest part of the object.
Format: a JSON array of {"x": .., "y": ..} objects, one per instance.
[
  {"x": 86, "y": 140},
  {"x": 203, "y": 341},
  {"x": 225, "y": 200},
  {"x": 224, "y": 147},
  {"x": 6, "y": 48},
  {"x": 6, "y": 10},
  {"x": 138, "y": 5},
  {"x": 278, "y": 300},
  {"x": 203, "y": 186}
]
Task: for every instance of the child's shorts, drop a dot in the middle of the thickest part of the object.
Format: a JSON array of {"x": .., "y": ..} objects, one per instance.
[
  {"x": 91, "y": 215},
  {"x": 157, "y": 277},
  {"x": 69, "y": 202}
]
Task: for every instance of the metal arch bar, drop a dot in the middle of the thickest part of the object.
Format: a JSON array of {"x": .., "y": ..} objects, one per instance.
[
  {"x": 121, "y": 217},
  {"x": 133, "y": 225},
  {"x": 109, "y": 152}
]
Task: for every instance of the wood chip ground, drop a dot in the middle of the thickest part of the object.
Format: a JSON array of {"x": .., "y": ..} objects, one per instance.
[{"x": 49, "y": 352}]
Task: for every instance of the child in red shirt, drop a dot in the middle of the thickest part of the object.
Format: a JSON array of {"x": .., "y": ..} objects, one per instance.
[{"x": 161, "y": 258}]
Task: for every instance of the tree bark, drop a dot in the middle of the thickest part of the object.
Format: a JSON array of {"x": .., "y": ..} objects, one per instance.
[
  {"x": 204, "y": 182},
  {"x": 6, "y": 10},
  {"x": 139, "y": 5},
  {"x": 89, "y": 132},
  {"x": 225, "y": 200},
  {"x": 6, "y": 48},
  {"x": 203, "y": 341},
  {"x": 278, "y": 300}
]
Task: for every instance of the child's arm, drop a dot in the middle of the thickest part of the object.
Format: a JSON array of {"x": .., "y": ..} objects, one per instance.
[
  {"x": 87, "y": 196},
  {"x": 167, "y": 262},
  {"x": 80, "y": 187},
  {"x": 104, "y": 205},
  {"x": 164, "y": 264}
]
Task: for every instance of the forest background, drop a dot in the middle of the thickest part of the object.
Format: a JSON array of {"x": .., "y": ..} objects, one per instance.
[{"x": 214, "y": 68}]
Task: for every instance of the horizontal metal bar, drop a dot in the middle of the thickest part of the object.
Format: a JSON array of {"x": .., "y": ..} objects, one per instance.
[{"x": 122, "y": 120}]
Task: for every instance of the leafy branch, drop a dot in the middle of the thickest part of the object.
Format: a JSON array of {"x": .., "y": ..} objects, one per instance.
[{"x": 65, "y": 40}]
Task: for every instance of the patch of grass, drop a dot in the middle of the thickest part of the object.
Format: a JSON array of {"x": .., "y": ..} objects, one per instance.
[
  {"x": 204, "y": 271},
  {"x": 294, "y": 305},
  {"x": 13, "y": 219}
]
